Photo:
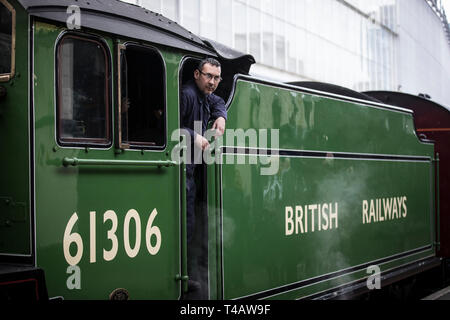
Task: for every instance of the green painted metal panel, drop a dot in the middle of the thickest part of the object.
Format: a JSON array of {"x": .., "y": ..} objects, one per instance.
[
  {"x": 15, "y": 225},
  {"x": 119, "y": 208},
  {"x": 365, "y": 198},
  {"x": 318, "y": 216},
  {"x": 313, "y": 122}
]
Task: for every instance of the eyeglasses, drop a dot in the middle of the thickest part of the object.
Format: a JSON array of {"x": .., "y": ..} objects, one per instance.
[{"x": 209, "y": 76}]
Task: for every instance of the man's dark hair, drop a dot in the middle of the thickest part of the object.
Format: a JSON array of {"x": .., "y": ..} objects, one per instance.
[{"x": 211, "y": 61}]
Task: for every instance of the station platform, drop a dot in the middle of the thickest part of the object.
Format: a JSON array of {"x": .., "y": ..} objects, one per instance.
[{"x": 443, "y": 294}]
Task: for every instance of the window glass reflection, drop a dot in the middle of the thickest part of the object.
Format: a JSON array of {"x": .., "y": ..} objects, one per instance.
[
  {"x": 83, "y": 107},
  {"x": 143, "y": 114}
]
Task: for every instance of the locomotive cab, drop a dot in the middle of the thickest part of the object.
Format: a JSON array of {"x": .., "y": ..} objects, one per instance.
[{"x": 236, "y": 63}]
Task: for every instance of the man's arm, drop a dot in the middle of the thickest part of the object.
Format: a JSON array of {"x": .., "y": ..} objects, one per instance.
[
  {"x": 219, "y": 126},
  {"x": 219, "y": 114},
  {"x": 186, "y": 103}
]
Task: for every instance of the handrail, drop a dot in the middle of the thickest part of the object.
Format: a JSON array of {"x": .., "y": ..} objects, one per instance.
[
  {"x": 184, "y": 277},
  {"x": 219, "y": 244},
  {"x": 184, "y": 253},
  {"x": 75, "y": 162}
]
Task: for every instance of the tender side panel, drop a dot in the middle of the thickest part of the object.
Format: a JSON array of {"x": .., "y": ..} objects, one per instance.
[
  {"x": 312, "y": 122},
  {"x": 352, "y": 186},
  {"x": 319, "y": 216}
]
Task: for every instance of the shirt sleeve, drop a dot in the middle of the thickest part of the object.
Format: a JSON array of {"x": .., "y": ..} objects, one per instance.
[{"x": 217, "y": 108}]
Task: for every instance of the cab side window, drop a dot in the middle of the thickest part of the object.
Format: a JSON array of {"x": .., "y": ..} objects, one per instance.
[
  {"x": 142, "y": 114},
  {"x": 7, "y": 21},
  {"x": 83, "y": 92}
]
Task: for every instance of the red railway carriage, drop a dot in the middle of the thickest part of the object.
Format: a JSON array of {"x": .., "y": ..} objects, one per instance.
[{"x": 432, "y": 122}]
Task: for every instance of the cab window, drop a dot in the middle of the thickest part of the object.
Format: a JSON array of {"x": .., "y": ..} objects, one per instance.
[
  {"x": 142, "y": 113},
  {"x": 7, "y": 19},
  {"x": 83, "y": 92}
]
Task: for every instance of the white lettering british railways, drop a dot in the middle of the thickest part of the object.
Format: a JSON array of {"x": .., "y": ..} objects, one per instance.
[
  {"x": 379, "y": 210},
  {"x": 311, "y": 218}
]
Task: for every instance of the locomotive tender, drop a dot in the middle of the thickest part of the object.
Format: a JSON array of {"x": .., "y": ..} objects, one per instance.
[
  {"x": 432, "y": 122},
  {"x": 92, "y": 204}
]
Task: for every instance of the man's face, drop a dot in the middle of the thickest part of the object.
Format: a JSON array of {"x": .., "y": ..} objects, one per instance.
[{"x": 207, "y": 79}]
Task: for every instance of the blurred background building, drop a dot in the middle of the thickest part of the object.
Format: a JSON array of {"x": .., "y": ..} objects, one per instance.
[{"x": 396, "y": 45}]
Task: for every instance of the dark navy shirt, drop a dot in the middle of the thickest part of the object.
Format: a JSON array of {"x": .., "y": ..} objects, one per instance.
[{"x": 196, "y": 106}]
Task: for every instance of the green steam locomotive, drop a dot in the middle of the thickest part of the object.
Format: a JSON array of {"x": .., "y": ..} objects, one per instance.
[{"x": 310, "y": 194}]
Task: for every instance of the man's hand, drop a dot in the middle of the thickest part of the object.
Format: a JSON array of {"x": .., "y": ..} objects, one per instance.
[
  {"x": 219, "y": 126},
  {"x": 201, "y": 142}
]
